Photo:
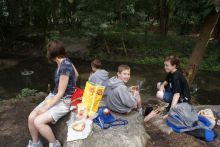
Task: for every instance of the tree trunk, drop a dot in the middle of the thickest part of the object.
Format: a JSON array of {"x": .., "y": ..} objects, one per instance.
[
  {"x": 54, "y": 14},
  {"x": 106, "y": 45},
  {"x": 164, "y": 9},
  {"x": 200, "y": 47},
  {"x": 122, "y": 39},
  {"x": 74, "y": 10},
  {"x": 119, "y": 10}
]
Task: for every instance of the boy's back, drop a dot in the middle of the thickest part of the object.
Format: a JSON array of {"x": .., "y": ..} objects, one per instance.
[{"x": 100, "y": 77}]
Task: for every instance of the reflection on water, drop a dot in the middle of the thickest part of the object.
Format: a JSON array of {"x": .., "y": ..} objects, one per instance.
[{"x": 206, "y": 85}]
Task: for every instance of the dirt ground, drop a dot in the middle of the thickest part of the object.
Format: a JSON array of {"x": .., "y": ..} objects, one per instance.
[
  {"x": 14, "y": 130},
  {"x": 159, "y": 139},
  {"x": 14, "y": 120}
]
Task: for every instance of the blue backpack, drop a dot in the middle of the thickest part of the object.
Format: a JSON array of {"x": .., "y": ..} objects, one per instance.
[
  {"x": 182, "y": 118},
  {"x": 106, "y": 121}
]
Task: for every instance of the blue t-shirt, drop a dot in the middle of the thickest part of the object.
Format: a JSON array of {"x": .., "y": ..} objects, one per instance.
[{"x": 66, "y": 68}]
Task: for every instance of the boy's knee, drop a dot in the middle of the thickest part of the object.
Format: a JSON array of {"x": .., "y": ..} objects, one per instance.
[
  {"x": 37, "y": 123},
  {"x": 31, "y": 118},
  {"x": 159, "y": 95}
]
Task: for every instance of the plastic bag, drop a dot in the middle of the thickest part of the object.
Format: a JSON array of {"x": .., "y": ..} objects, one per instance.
[
  {"x": 105, "y": 120},
  {"x": 92, "y": 96},
  {"x": 207, "y": 113}
]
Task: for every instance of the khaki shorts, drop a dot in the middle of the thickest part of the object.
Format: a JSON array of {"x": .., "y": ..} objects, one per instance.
[{"x": 58, "y": 110}]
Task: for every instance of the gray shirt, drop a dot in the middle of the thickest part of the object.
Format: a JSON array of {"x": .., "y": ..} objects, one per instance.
[
  {"x": 119, "y": 98},
  {"x": 100, "y": 77}
]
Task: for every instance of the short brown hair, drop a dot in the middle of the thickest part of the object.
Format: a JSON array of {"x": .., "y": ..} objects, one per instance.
[
  {"x": 174, "y": 60},
  {"x": 96, "y": 63},
  {"x": 123, "y": 68},
  {"x": 55, "y": 49}
]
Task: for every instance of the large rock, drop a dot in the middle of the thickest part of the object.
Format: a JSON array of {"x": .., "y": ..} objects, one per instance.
[
  {"x": 131, "y": 135},
  {"x": 76, "y": 47}
]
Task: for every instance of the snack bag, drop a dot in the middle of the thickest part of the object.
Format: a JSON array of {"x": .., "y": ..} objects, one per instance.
[
  {"x": 92, "y": 96},
  {"x": 207, "y": 113},
  {"x": 82, "y": 111}
]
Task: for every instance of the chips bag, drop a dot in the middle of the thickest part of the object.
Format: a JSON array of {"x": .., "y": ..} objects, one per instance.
[{"x": 92, "y": 96}]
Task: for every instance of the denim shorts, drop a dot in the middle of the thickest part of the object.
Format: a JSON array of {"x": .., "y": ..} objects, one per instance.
[
  {"x": 167, "y": 94},
  {"x": 58, "y": 110}
]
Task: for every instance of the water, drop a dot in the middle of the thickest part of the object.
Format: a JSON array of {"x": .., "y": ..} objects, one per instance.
[{"x": 206, "y": 86}]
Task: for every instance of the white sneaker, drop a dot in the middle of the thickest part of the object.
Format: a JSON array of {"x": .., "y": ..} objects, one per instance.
[
  {"x": 31, "y": 144},
  {"x": 55, "y": 145},
  {"x": 140, "y": 111}
]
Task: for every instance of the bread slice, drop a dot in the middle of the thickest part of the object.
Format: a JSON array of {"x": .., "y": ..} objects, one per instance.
[{"x": 79, "y": 126}]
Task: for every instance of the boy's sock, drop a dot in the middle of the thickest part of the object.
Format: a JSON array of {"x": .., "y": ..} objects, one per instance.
[
  {"x": 140, "y": 111},
  {"x": 36, "y": 143}
]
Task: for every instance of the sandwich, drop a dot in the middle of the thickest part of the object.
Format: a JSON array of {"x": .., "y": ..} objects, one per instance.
[{"x": 79, "y": 126}]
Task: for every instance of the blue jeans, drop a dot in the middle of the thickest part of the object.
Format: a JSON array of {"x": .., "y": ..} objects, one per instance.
[{"x": 167, "y": 94}]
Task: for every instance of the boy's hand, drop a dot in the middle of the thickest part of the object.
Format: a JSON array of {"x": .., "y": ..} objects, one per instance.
[{"x": 41, "y": 110}]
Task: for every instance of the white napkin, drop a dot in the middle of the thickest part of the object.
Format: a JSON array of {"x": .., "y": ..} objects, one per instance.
[{"x": 75, "y": 135}]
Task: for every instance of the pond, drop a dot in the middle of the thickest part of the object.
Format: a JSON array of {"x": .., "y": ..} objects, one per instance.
[{"x": 206, "y": 86}]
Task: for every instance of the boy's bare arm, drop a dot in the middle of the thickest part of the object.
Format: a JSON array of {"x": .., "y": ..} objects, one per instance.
[
  {"x": 175, "y": 99},
  {"x": 76, "y": 72},
  {"x": 165, "y": 83},
  {"x": 174, "y": 102}
]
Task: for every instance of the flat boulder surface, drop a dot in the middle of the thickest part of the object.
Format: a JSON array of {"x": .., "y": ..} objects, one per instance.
[{"x": 133, "y": 134}]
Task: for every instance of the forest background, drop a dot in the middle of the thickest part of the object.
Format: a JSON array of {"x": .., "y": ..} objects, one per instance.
[{"x": 139, "y": 31}]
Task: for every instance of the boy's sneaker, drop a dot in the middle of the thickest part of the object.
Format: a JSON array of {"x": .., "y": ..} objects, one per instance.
[
  {"x": 55, "y": 145},
  {"x": 31, "y": 144}
]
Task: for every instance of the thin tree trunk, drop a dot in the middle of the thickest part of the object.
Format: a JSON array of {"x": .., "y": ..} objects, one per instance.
[
  {"x": 107, "y": 47},
  {"x": 119, "y": 10},
  {"x": 54, "y": 14},
  {"x": 164, "y": 10},
  {"x": 74, "y": 10},
  {"x": 124, "y": 46},
  {"x": 200, "y": 47}
]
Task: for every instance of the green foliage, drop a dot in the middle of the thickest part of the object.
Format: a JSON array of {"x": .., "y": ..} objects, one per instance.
[
  {"x": 211, "y": 58},
  {"x": 153, "y": 50},
  {"x": 54, "y": 35},
  {"x": 40, "y": 14},
  {"x": 94, "y": 16},
  {"x": 111, "y": 24},
  {"x": 26, "y": 92}
]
